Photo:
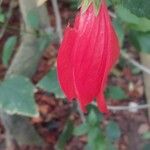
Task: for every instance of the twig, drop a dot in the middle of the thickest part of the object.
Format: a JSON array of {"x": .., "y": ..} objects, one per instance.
[
  {"x": 132, "y": 107},
  {"x": 135, "y": 63},
  {"x": 48, "y": 31},
  {"x": 13, "y": 28},
  {"x": 113, "y": 15},
  {"x": 1, "y": 2},
  {"x": 115, "y": 108},
  {"x": 58, "y": 19}
]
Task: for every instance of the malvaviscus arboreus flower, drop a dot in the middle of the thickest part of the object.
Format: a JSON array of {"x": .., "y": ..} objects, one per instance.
[{"x": 86, "y": 56}]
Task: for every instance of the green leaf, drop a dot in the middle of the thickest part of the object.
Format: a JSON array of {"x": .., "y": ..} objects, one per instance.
[
  {"x": 81, "y": 130},
  {"x": 65, "y": 136},
  {"x": 92, "y": 118},
  {"x": 140, "y": 41},
  {"x": 17, "y": 96},
  {"x": 144, "y": 42},
  {"x": 43, "y": 42},
  {"x": 50, "y": 84},
  {"x": 115, "y": 93},
  {"x": 138, "y": 7},
  {"x": 99, "y": 115},
  {"x": 8, "y": 49},
  {"x": 134, "y": 22},
  {"x": 119, "y": 30},
  {"x": 110, "y": 146},
  {"x": 96, "y": 139},
  {"x": 146, "y": 135},
  {"x": 33, "y": 19},
  {"x": 92, "y": 136},
  {"x": 133, "y": 37},
  {"x": 101, "y": 144},
  {"x": 2, "y": 17},
  {"x": 109, "y": 3},
  {"x": 113, "y": 131},
  {"x": 74, "y": 4},
  {"x": 146, "y": 147}
]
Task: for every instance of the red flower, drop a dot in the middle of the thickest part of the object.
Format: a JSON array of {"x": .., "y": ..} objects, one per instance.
[{"x": 86, "y": 56}]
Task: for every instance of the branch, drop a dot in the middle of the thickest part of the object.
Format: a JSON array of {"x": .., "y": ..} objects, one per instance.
[
  {"x": 58, "y": 19},
  {"x": 135, "y": 63},
  {"x": 1, "y": 1},
  {"x": 131, "y": 107}
]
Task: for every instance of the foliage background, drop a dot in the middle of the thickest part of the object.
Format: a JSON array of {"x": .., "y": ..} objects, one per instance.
[{"x": 21, "y": 96}]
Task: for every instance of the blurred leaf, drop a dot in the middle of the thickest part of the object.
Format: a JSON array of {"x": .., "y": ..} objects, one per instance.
[
  {"x": 110, "y": 146},
  {"x": 119, "y": 30},
  {"x": 88, "y": 146},
  {"x": 146, "y": 147},
  {"x": 50, "y": 84},
  {"x": 81, "y": 130},
  {"x": 115, "y": 93},
  {"x": 133, "y": 37},
  {"x": 144, "y": 42},
  {"x": 33, "y": 19},
  {"x": 43, "y": 42},
  {"x": 75, "y": 4},
  {"x": 101, "y": 143},
  {"x": 140, "y": 41},
  {"x": 8, "y": 49},
  {"x": 135, "y": 70},
  {"x": 65, "y": 136},
  {"x": 2, "y": 17},
  {"x": 96, "y": 139},
  {"x": 109, "y": 2},
  {"x": 113, "y": 131},
  {"x": 92, "y": 118},
  {"x": 99, "y": 115},
  {"x": 134, "y": 22},
  {"x": 138, "y": 7},
  {"x": 146, "y": 135},
  {"x": 92, "y": 135},
  {"x": 17, "y": 96},
  {"x": 122, "y": 64}
]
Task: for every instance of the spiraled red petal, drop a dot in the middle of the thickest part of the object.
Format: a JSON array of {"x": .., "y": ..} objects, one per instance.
[
  {"x": 88, "y": 57},
  {"x": 83, "y": 52},
  {"x": 112, "y": 48},
  {"x": 102, "y": 103},
  {"x": 64, "y": 65},
  {"x": 95, "y": 52}
]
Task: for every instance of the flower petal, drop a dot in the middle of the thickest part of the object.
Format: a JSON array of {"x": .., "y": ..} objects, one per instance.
[
  {"x": 101, "y": 103},
  {"x": 88, "y": 58},
  {"x": 82, "y": 57},
  {"x": 64, "y": 65},
  {"x": 112, "y": 48}
]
